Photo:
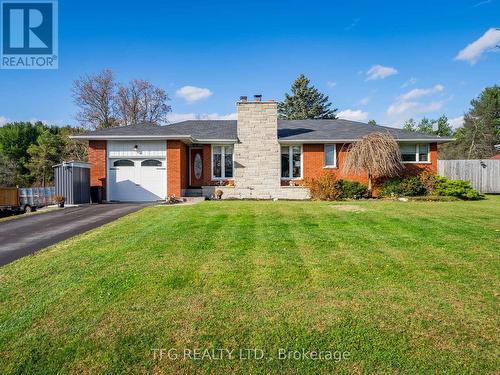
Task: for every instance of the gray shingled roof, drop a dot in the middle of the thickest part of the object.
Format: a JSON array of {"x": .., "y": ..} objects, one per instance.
[
  {"x": 308, "y": 130},
  {"x": 293, "y": 131}
]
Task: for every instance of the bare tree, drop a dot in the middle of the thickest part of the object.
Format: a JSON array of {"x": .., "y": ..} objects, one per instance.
[
  {"x": 142, "y": 102},
  {"x": 94, "y": 95},
  {"x": 376, "y": 154}
]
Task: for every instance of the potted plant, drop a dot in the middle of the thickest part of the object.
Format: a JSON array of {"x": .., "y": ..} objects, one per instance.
[{"x": 59, "y": 199}]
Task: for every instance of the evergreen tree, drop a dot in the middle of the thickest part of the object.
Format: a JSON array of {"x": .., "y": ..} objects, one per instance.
[
  {"x": 482, "y": 125},
  {"x": 410, "y": 125},
  {"x": 427, "y": 126},
  {"x": 372, "y": 122},
  {"x": 306, "y": 102},
  {"x": 47, "y": 152}
]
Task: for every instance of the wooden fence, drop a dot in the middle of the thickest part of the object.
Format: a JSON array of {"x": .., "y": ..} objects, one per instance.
[
  {"x": 9, "y": 196},
  {"x": 483, "y": 174}
]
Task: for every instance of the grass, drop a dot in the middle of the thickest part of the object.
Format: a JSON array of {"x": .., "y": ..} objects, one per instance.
[{"x": 403, "y": 287}]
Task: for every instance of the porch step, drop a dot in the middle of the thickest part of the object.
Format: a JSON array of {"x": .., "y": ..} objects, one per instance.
[{"x": 193, "y": 193}]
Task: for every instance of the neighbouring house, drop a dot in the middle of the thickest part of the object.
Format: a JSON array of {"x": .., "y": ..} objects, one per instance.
[{"x": 256, "y": 156}]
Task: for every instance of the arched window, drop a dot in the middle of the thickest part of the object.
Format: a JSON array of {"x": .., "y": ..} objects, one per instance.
[
  {"x": 123, "y": 163},
  {"x": 151, "y": 163}
]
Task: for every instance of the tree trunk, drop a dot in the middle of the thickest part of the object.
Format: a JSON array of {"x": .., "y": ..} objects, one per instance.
[{"x": 369, "y": 185}]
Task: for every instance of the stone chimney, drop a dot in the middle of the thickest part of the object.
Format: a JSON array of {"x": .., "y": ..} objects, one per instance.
[{"x": 257, "y": 155}]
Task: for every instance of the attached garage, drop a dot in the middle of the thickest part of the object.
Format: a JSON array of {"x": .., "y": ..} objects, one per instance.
[{"x": 137, "y": 171}]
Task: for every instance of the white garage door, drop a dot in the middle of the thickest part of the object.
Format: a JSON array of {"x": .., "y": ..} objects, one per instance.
[{"x": 137, "y": 180}]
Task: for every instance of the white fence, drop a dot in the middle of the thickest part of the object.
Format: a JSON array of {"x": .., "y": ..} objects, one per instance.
[{"x": 483, "y": 174}]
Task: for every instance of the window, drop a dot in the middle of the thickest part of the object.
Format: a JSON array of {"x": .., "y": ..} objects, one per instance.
[
  {"x": 222, "y": 162},
  {"x": 123, "y": 163},
  {"x": 330, "y": 156},
  {"x": 291, "y": 162},
  {"x": 414, "y": 153},
  {"x": 151, "y": 163}
]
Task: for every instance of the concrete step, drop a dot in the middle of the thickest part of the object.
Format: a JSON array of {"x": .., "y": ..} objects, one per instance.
[{"x": 193, "y": 193}]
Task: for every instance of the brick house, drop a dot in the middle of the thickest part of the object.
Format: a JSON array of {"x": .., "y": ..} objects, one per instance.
[{"x": 256, "y": 156}]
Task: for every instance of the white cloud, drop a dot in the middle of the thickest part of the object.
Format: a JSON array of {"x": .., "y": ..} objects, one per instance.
[
  {"x": 380, "y": 72},
  {"x": 3, "y": 120},
  {"x": 482, "y": 3},
  {"x": 353, "y": 24},
  {"x": 404, "y": 110},
  {"x": 178, "y": 117},
  {"x": 331, "y": 84},
  {"x": 410, "y": 82},
  {"x": 353, "y": 115},
  {"x": 456, "y": 122},
  {"x": 216, "y": 116},
  {"x": 473, "y": 51},
  {"x": 193, "y": 94},
  {"x": 418, "y": 93},
  {"x": 365, "y": 100}
]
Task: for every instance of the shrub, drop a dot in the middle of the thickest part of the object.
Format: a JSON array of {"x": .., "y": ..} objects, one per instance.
[
  {"x": 351, "y": 189},
  {"x": 429, "y": 181},
  {"x": 457, "y": 188},
  {"x": 324, "y": 188},
  {"x": 402, "y": 187},
  {"x": 328, "y": 188},
  {"x": 59, "y": 199}
]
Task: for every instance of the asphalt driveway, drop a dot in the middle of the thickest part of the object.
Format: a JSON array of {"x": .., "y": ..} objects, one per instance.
[{"x": 26, "y": 235}]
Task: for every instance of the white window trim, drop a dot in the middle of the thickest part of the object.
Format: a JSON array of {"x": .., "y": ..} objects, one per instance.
[
  {"x": 290, "y": 162},
  {"x": 223, "y": 162},
  {"x": 417, "y": 155},
  {"x": 334, "y": 165}
]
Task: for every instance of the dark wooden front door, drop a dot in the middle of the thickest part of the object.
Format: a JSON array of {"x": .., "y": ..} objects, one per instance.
[{"x": 197, "y": 167}]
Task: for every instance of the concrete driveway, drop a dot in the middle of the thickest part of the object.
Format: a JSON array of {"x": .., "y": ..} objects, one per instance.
[{"x": 26, "y": 235}]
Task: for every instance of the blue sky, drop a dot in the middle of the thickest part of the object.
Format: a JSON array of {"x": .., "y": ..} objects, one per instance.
[{"x": 386, "y": 61}]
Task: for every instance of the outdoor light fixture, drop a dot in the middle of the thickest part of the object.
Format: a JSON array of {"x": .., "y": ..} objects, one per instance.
[{"x": 136, "y": 148}]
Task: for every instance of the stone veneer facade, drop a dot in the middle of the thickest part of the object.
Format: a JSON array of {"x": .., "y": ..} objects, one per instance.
[{"x": 257, "y": 156}]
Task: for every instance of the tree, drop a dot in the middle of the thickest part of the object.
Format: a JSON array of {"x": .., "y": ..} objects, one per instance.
[
  {"x": 306, "y": 102},
  {"x": 10, "y": 174},
  {"x": 410, "y": 125},
  {"x": 15, "y": 138},
  {"x": 427, "y": 126},
  {"x": 444, "y": 128},
  {"x": 377, "y": 155},
  {"x": 44, "y": 155},
  {"x": 94, "y": 95},
  {"x": 142, "y": 102},
  {"x": 73, "y": 149},
  {"x": 476, "y": 139},
  {"x": 372, "y": 122}
]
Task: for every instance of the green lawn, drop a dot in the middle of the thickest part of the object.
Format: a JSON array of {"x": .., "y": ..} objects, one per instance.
[{"x": 402, "y": 287}]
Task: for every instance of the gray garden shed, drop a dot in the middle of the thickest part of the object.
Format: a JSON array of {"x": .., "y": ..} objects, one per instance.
[{"x": 72, "y": 180}]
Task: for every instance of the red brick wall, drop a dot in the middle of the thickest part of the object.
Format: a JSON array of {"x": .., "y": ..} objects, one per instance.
[
  {"x": 313, "y": 160},
  {"x": 177, "y": 167},
  {"x": 97, "y": 160}
]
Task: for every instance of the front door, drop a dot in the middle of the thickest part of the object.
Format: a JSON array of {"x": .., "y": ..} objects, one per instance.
[{"x": 197, "y": 167}]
